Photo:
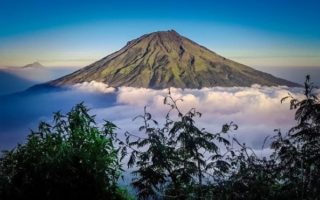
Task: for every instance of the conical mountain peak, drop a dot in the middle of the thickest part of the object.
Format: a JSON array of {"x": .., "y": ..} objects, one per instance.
[
  {"x": 168, "y": 35},
  {"x": 162, "y": 38},
  {"x": 166, "y": 59}
]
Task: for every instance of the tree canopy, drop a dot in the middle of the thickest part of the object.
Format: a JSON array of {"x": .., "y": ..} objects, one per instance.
[{"x": 70, "y": 159}]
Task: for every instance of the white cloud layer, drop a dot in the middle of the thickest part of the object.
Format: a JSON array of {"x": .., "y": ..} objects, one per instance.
[
  {"x": 257, "y": 109},
  {"x": 93, "y": 86}
]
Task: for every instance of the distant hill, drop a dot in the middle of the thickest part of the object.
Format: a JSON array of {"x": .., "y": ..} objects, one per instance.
[
  {"x": 35, "y": 65},
  {"x": 166, "y": 59},
  {"x": 15, "y": 79}
]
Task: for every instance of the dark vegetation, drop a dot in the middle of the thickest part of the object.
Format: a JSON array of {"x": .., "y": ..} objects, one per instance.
[
  {"x": 71, "y": 159},
  {"x": 74, "y": 159}
]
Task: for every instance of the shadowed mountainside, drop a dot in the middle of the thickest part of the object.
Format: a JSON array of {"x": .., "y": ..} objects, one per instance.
[
  {"x": 10, "y": 83},
  {"x": 166, "y": 59}
]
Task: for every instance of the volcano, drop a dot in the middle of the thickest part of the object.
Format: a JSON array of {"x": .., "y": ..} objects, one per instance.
[{"x": 166, "y": 59}]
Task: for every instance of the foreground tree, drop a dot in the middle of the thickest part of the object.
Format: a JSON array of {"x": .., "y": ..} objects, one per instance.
[
  {"x": 293, "y": 170},
  {"x": 251, "y": 177},
  {"x": 177, "y": 160},
  {"x": 298, "y": 152},
  {"x": 71, "y": 159}
]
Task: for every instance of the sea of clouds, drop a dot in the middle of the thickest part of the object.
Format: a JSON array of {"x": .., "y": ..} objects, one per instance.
[{"x": 257, "y": 110}]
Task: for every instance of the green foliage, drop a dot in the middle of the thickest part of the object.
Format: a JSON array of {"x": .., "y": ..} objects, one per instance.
[
  {"x": 71, "y": 159},
  {"x": 298, "y": 151},
  {"x": 172, "y": 161},
  {"x": 250, "y": 178},
  {"x": 292, "y": 171}
]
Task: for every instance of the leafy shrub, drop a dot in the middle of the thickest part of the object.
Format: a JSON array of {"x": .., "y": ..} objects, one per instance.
[
  {"x": 298, "y": 152},
  {"x": 176, "y": 160},
  {"x": 293, "y": 170},
  {"x": 71, "y": 159}
]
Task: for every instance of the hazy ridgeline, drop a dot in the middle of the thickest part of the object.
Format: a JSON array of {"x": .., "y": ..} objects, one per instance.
[
  {"x": 294, "y": 74},
  {"x": 22, "y": 78}
]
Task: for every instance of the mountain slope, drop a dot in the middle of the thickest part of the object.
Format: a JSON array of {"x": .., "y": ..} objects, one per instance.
[{"x": 166, "y": 59}]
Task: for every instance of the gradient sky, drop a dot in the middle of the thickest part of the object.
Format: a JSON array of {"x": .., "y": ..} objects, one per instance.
[{"x": 76, "y": 33}]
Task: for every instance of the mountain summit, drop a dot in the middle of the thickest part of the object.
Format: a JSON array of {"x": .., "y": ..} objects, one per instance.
[{"x": 166, "y": 59}]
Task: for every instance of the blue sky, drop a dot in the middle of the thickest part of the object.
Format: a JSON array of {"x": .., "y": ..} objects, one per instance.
[{"x": 76, "y": 33}]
